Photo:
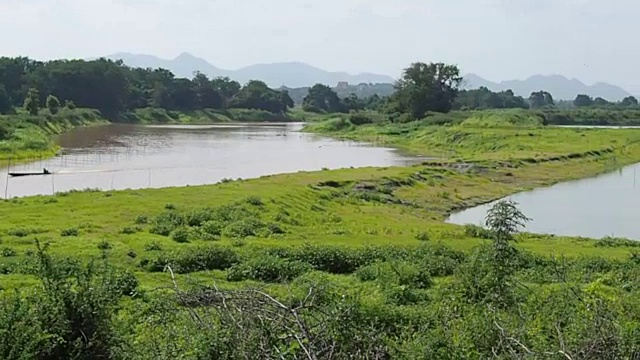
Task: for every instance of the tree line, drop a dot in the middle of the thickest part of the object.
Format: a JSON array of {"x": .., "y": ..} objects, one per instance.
[{"x": 113, "y": 88}]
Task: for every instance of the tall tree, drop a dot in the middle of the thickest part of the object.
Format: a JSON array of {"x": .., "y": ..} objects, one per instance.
[
  {"x": 32, "y": 101},
  {"x": 322, "y": 99},
  {"x": 5, "y": 101},
  {"x": 53, "y": 104},
  {"x": 583, "y": 100},
  {"x": 257, "y": 95},
  {"x": 541, "y": 99},
  {"x": 427, "y": 87},
  {"x": 600, "y": 102},
  {"x": 207, "y": 96},
  {"x": 629, "y": 101}
]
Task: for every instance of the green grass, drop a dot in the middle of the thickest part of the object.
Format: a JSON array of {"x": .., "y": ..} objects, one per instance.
[
  {"x": 396, "y": 206},
  {"x": 155, "y": 116},
  {"x": 493, "y": 135},
  {"x": 29, "y": 137}
]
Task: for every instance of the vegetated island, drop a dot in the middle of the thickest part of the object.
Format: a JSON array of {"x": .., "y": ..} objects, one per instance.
[{"x": 353, "y": 263}]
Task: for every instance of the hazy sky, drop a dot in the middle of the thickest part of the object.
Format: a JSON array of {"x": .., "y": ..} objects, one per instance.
[{"x": 592, "y": 40}]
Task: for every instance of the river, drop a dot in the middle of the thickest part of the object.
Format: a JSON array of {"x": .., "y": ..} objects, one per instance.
[
  {"x": 135, "y": 156},
  {"x": 605, "y": 205}
]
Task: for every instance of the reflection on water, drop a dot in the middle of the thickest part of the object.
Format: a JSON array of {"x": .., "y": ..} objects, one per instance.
[
  {"x": 131, "y": 156},
  {"x": 597, "y": 207}
]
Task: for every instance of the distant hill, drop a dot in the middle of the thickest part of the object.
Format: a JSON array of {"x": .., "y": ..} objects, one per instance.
[
  {"x": 291, "y": 74},
  {"x": 559, "y": 86}
]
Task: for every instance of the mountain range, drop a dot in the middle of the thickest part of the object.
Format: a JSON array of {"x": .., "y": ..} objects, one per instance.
[
  {"x": 297, "y": 75},
  {"x": 290, "y": 74},
  {"x": 559, "y": 86}
]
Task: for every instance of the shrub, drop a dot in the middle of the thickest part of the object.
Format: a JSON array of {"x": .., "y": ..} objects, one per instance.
[
  {"x": 180, "y": 235},
  {"x": 477, "y": 232},
  {"x": 169, "y": 206},
  {"x": 128, "y": 230},
  {"x": 104, "y": 245},
  {"x": 8, "y": 252},
  {"x": 254, "y": 201},
  {"x": 358, "y": 118},
  {"x": 213, "y": 228},
  {"x": 154, "y": 246},
  {"x": 243, "y": 228},
  {"x": 165, "y": 223},
  {"x": 423, "y": 236},
  {"x": 267, "y": 268},
  {"x": 141, "y": 219},
  {"x": 334, "y": 260},
  {"x": 199, "y": 217},
  {"x": 19, "y": 232},
  {"x": 398, "y": 272},
  {"x": 195, "y": 259},
  {"x": 69, "y": 232}
]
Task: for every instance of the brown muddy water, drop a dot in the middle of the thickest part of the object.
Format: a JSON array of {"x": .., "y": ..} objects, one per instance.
[{"x": 135, "y": 156}]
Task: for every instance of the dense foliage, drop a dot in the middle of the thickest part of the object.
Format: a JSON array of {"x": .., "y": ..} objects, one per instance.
[
  {"x": 484, "y": 98},
  {"x": 112, "y": 88},
  {"x": 424, "y": 302}
]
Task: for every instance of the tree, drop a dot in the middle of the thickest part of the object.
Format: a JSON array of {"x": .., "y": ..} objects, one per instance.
[
  {"x": 629, "y": 101},
  {"x": 541, "y": 99},
  {"x": 32, "y": 101},
  {"x": 600, "y": 102},
  {"x": 206, "y": 94},
  {"x": 583, "y": 100},
  {"x": 427, "y": 87},
  {"x": 353, "y": 102},
  {"x": 226, "y": 87},
  {"x": 322, "y": 99},
  {"x": 53, "y": 104},
  {"x": 5, "y": 101},
  {"x": 257, "y": 95}
]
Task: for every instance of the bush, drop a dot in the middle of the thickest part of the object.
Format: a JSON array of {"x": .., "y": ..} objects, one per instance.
[
  {"x": 180, "y": 235},
  {"x": 423, "y": 236},
  {"x": 397, "y": 272},
  {"x": 69, "y": 232},
  {"x": 243, "y": 228},
  {"x": 127, "y": 230},
  {"x": 154, "y": 246},
  {"x": 358, "y": 118},
  {"x": 104, "y": 245},
  {"x": 195, "y": 259},
  {"x": 267, "y": 268},
  {"x": 165, "y": 223},
  {"x": 141, "y": 219},
  {"x": 8, "y": 252},
  {"x": 477, "y": 232},
  {"x": 254, "y": 201},
  {"x": 334, "y": 260},
  {"x": 213, "y": 228},
  {"x": 199, "y": 217}
]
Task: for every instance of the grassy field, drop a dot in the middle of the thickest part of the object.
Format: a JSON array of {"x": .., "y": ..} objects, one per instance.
[
  {"x": 353, "y": 207},
  {"x": 491, "y": 135},
  {"x": 390, "y": 275}
]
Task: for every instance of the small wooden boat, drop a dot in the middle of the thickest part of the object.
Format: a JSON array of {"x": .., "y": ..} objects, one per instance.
[{"x": 44, "y": 172}]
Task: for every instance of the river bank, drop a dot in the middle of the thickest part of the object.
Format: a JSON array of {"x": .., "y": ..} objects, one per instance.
[
  {"x": 396, "y": 206},
  {"x": 368, "y": 246}
]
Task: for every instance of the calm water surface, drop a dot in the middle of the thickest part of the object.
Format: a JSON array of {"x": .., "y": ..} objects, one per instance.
[
  {"x": 606, "y": 205},
  {"x": 130, "y": 157}
]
